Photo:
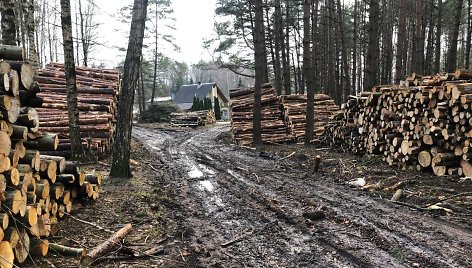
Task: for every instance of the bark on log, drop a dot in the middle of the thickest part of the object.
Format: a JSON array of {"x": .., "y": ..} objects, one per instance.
[
  {"x": 107, "y": 246},
  {"x": 8, "y": 52}
]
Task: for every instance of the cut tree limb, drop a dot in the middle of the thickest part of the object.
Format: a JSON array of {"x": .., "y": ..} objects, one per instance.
[
  {"x": 67, "y": 251},
  {"x": 106, "y": 247}
]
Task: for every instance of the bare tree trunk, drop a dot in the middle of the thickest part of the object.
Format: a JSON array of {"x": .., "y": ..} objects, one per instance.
[
  {"x": 331, "y": 58},
  {"x": 437, "y": 52},
  {"x": 418, "y": 43},
  {"x": 8, "y": 22},
  {"x": 469, "y": 33},
  {"x": 299, "y": 74},
  {"x": 122, "y": 144},
  {"x": 77, "y": 35},
  {"x": 85, "y": 48},
  {"x": 347, "y": 79},
  {"x": 30, "y": 25},
  {"x": 143, "y": 94},
  {"x": 259, "y": 55},
  {"x": 156, "y": 37},
  {"x": 451, "y": 62},
  {"x": 20, "y": 23},
  {"x": 430, "y": 42},
  {"x": 314, "y": 50},
  {"x": 354, "y": 48},
  {"x": 372, "y": 55},
  {"x": 73, "y": 112},
  {"x": 286, "y": 71},
  {"x": 278, "y": 47},
  {"x": 138, "y": 91},
  {"x": 269, "y": 40},
  {"x": 308, "y": 70}
]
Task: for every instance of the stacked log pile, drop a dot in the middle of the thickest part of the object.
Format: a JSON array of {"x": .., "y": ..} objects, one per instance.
[
  {"x": 193, "y": 119},
  {"x": 97, "y": 89},
  {"x": 424, "y": 124},
  {"x": 35, "y": 190},
  {"x": 273, "y": 128},
  {"x": 294, "y": 112}
]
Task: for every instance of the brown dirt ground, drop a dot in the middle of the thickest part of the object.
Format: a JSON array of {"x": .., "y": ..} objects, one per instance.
[
  {"x": 420, "y": 189},
  {"x": 142, "y": 201},
  {"x": 147, "y": 202}
]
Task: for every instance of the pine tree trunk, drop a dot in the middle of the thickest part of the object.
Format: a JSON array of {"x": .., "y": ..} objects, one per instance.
[
  {"x": 469, "y": 34},
  {"x": 286, "y": 71},
  {"x": 437, "y": 52},
  {"x": 372, "y": 50},
  {"x": 156, "y": 36},
  {"x": 122, "y": 144},
  {"x": 143, "y": 94},
  {"x": 314, "y": 51},
  {"x": 138, "y": 92},
  {"x": 73, "y": 111},
  {"x": 451, "y": 62},
  {"x": 354, "y": 48},
  {"x": 331, "y": 56},
  {"x": 269, "y": 40},
  {"x": 278, "y": 44},
  {"x": 259, "y": 48},
  {"x": 8, "y": 22},
  {"x": 430, "y": 41},
  {"x": 308, "y": 70},
  {"x": 85, "y": 44},
  {"x": 30, "y": 25},
  {"x": 345, "y": 64},
  {"x": 418, "y": 45}
]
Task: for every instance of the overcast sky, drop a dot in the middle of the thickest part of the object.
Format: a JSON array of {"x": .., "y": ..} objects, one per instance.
[{"x": 194, "y": 21}]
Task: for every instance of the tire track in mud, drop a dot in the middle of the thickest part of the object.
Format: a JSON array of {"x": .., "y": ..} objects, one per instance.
[{"x": 225, "y": 192}]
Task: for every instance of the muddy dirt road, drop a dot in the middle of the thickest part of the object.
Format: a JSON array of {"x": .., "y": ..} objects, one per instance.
[{"x": 242, "y": 209}]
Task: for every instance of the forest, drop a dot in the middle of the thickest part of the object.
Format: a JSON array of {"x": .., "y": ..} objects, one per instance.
[{"x": 353, "y": 45}]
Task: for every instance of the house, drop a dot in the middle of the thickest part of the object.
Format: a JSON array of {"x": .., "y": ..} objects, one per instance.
[{"x": 185, "y": 95}]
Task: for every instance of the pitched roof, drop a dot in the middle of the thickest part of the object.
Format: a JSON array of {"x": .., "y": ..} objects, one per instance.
[{"x": 187, "y": 92}]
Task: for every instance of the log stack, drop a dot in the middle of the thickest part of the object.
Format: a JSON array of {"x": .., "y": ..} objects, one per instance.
[
  {"x": 294, "y": 113},
  {"x": 193, "y": 119},
  {"x": 423, "y": 124},
  {"x": 35, "y": 190},
  {"x": 97, "y": 95},
  {"x": 274, "y": 129}
]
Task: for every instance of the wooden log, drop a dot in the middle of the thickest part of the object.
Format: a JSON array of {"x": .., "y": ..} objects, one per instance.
[
  {"x": 93, "y": 178},
  {"x": 71, "y": 167},
  {"x": 4, "y": 220},
  {"x": 44, "y": 143},
  {"x": 106, "y": 247},
  {"x": 67, "y": 251},
  {"x": 6, "y": 252},
  {"x": 424, "y": 158},
  {"x": 39, "y": 247},
  {"x": 463, "y": 74},
  {"x": 22, "y": 247},
  {"x": 60, "y": 162},
  {"x": 8, "y": 52}
]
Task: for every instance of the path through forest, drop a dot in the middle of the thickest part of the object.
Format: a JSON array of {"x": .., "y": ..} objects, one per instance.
[{"x": 240, "y": 208}]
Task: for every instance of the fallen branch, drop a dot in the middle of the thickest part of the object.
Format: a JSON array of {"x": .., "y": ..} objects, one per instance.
[
  {"x": 67, "y": 251},
  {"x": 153, "y": 168},
  {"x": 288, "y": 156},
  {"x": 428, "y": 208},
  {"x": 90, "y": 223},
  {"x": 448, "y": 198},
  {"x": 147, "y": 254},
  {"x": 237, "y": 239},
  {"x": 105, "y": 247}
]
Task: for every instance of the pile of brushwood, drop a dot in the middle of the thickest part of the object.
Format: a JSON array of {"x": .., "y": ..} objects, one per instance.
[{"x": 158, "y": 112}]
